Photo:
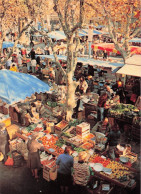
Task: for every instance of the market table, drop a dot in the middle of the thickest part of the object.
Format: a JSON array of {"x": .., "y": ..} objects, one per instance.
[{"x": 124, "y": 184}]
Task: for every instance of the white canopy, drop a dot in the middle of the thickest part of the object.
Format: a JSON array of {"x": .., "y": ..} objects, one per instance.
[
  {"x": 132, "y": 66},
  {"x": 133, "y": 70},
  {"x": 134, "y": 60}
]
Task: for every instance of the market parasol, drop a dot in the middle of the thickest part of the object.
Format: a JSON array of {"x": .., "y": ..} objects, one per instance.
[{"x": 15, "y": 86}]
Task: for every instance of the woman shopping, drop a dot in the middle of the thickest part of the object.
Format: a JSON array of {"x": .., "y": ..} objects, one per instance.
[{"x": 33, "y": 156}]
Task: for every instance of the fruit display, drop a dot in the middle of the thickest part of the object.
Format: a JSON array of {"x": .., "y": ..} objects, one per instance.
[
  {"x": 118, "y": 170},
  {"x": 37, "y": 129},
  {"x": 98, "y": 159},
  {"x": 49, "y": 142},
  {"x": 46, "y": 162}
]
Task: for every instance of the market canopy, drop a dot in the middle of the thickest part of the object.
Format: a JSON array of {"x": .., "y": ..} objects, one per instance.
[
  {"x": 136, "y": 40},
  {"x": 110, "y": 47},
  {"x": 15, "y": 86},
  {"x": 58, "y": 35},
  {"x": 86, "y": 61},
  {"x": 7, "y": 44},
  {"x": 95, "y": 32},
  {"x": 134, "y": 60},
  {"x": 132, "y": 66},
  {"x": 132, "y": 70}
]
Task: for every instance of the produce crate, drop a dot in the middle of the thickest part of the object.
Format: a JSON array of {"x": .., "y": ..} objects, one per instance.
[
  {"x": 46, "y": 175},
  {"x": 47, "y": 168},
  {"x": 61, "y": 127}
]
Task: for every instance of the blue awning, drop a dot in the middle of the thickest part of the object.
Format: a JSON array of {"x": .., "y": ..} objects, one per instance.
[{"x": 15, "y": 86}]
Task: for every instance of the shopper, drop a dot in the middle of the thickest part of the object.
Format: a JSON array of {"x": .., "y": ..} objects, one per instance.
[
  {"x": 33, "y": 65},
  {"x": 32, "y": 54},
  {"x": 4, "y": 144},
  {"x": 109, "y": 92},
  {"x": 33, "y": 156},
  {"x": 81, "y": 173},
  {"x": 101, "y": 106},
  {"x": 82, "y": 86},
  {"x": 64, "y": 163}
]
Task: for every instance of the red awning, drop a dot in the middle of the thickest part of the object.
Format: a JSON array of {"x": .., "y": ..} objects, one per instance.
[{"x": 110, "y": 47}]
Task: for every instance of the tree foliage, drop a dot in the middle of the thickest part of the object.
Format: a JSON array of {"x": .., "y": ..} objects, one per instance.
[{"x": 121, "y": 17}]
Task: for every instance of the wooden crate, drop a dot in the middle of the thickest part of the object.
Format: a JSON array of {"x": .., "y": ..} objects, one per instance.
[
  {"x": 46, "y": 175},
  {"x": 7, "y": 122},
  {"x": 62, "y": 125}
]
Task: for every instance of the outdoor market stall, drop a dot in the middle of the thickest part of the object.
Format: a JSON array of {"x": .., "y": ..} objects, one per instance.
[
  {"x": 44, "y": 113},
  {"x": 109, "y": 47}
]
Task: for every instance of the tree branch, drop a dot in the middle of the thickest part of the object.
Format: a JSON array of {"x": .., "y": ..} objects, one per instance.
[
  {"x": 81, "y": 17},
  {"x": 61, "y": 19},
  {"x": 66, "y": 13},
  {"x": 135, "y": 33}
]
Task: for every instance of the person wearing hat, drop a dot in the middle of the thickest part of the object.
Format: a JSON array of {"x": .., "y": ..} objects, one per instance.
[
  {"x": 64, "y": 163},
  {"x": 81, "y": 172},
  {"x": 33, "y": 155}
]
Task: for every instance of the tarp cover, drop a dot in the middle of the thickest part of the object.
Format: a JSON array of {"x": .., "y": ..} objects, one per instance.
[{"x": 15, "y": 86}]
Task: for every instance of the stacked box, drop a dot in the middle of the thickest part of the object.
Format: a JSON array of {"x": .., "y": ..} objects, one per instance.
[
  {"x": 83, "y": 129},
  {"x": 46, "y": 170}
]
